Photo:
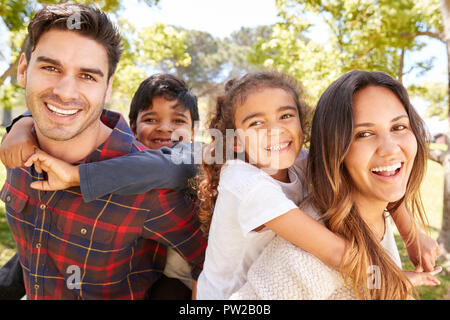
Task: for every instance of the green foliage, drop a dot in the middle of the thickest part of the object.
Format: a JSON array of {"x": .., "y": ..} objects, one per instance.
[
  {"x": 143, "y": 49},
  {"x": 213, "y": 60},
  {"x": 363, "y": 34},
  {"x": 436, "y": 94}
]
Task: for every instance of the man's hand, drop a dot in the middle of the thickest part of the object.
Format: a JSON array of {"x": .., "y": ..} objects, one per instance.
[
  {"x": 428, "y": 253},
  {"x": 19, "y": 144},
  {"x": 423, "y": 278},
  {"x": 61, "y": 175}
]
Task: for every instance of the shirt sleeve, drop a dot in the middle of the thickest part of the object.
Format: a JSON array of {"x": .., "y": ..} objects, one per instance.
[
  {"x": 25, "y": 114},
  {"x": 260, "y": 197},
  {"x": 173, "y": 222},
  {"x": 265, "y": 202},
  {"x": 135, "y": 173}
]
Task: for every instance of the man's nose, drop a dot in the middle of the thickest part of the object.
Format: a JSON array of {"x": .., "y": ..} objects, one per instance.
[{"x": 67, "y": 89}]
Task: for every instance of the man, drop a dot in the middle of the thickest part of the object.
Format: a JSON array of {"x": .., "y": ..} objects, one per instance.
[{"x": 115, "y": 246}]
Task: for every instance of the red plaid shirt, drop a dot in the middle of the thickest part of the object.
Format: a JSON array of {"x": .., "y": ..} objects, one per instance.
[{"x": 111, "y": 248}]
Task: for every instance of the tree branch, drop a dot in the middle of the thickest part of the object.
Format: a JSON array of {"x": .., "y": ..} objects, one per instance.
[
  {"x": 437, "y": 155},
  {"x": 435, "y": 35}
]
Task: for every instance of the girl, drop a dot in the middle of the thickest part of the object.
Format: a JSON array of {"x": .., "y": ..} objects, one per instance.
[{"x": 367, "y": 154}]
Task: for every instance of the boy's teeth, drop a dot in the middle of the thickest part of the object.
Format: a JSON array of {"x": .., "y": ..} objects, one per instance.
[
  {"x": 389, "y": 168},
  {"x": 277, "y": 147},
  {"x": 61, "y": 111}
]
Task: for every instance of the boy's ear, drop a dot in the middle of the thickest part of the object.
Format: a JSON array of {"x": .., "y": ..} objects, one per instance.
[
  {"x": 22, "y": 71},
  {"x": 133, "y": 127}
]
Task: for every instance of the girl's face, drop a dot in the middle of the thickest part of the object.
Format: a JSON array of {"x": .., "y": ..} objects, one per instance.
[
  {"x": 383, "y": 148},
  {"x": 268, "y": 129}
]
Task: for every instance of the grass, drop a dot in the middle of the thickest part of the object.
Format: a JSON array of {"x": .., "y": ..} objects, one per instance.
[
  {"x": 432, "y": 196},
  {"x": 7, "y": 244}
]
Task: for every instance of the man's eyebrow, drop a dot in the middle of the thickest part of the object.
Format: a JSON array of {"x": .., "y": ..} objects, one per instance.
[
  {"x": 58, "y": 64},
  {"x": 48, "y": 60},
  {"x": 370, "y": 124},
  {"x": 93, "y": 71}
]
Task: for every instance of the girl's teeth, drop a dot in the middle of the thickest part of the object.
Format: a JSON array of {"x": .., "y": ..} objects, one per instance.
[
  {"x": 389, "y": 168},
  {"x": 277, "y": 147},
  {"x": 61, "y": 111}
]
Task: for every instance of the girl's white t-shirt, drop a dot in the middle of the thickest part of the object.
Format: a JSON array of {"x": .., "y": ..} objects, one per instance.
[{"x": 248, "y": 198}]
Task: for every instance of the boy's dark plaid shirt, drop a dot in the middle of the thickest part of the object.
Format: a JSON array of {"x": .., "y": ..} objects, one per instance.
[{"x": 110, "y": 248}]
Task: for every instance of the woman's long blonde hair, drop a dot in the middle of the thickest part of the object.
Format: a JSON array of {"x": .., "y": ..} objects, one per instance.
[{"x": 331, "y": 186}]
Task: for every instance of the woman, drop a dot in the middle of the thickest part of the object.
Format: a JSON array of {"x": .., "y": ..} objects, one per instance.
[{"x": 368, "y": 155}]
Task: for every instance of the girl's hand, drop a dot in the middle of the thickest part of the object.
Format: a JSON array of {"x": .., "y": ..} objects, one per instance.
[
  {"x": 61, "y": 175},
  {"x": 429, "y": 252},
  {"x": 19, "y": 144},
  {"x": 423, "y": 278}
]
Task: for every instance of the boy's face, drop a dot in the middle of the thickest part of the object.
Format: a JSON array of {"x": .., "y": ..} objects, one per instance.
[{"x": 163, "y": 124}]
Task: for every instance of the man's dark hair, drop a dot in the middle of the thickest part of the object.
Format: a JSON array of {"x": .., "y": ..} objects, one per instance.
[
  {"x": 85, "y": 20},
  {"x": 162, "y": 85}
]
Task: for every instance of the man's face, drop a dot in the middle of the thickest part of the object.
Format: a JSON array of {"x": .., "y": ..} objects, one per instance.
[
  {"x": 66, "y": 82},
  {"x": 163, "y": 124}
]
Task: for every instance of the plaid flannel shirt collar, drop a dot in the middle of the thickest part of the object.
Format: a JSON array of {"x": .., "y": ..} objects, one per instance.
[{"x": 119, "y": 143}]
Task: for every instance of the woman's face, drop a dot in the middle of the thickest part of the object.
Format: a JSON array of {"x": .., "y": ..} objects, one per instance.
[{"x": 383, "y": 148}]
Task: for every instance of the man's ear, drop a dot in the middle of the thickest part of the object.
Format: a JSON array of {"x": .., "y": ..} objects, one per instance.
[
  {"x": 109, "y": 89},
  {"x": 22, "y": 71}
]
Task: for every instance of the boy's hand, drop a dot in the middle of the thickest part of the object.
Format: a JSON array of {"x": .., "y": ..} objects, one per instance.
[
  {"x": 429, "y": 252},
  {"x": 423, "y": 278},
  {"x": 19, "y": 144},
  {"x": 61, "y": 175}
]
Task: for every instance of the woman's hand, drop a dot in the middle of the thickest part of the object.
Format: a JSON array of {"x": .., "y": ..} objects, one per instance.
[
  {"x": 429, "y": 252},
  {"x": 61, "y": 175},
  {"x": 418, "y": 278}
]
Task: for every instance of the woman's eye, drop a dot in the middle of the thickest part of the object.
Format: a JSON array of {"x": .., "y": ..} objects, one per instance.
[
  {"x": 363, "y": 134},
  {"x": 400, "y": 127}
]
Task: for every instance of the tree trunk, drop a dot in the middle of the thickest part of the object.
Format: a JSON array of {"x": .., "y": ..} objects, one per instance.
[{"x": 444, "y": 236}]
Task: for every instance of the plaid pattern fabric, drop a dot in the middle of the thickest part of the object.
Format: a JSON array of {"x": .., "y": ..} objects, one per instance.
[{"x": 111, "y": 248}]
